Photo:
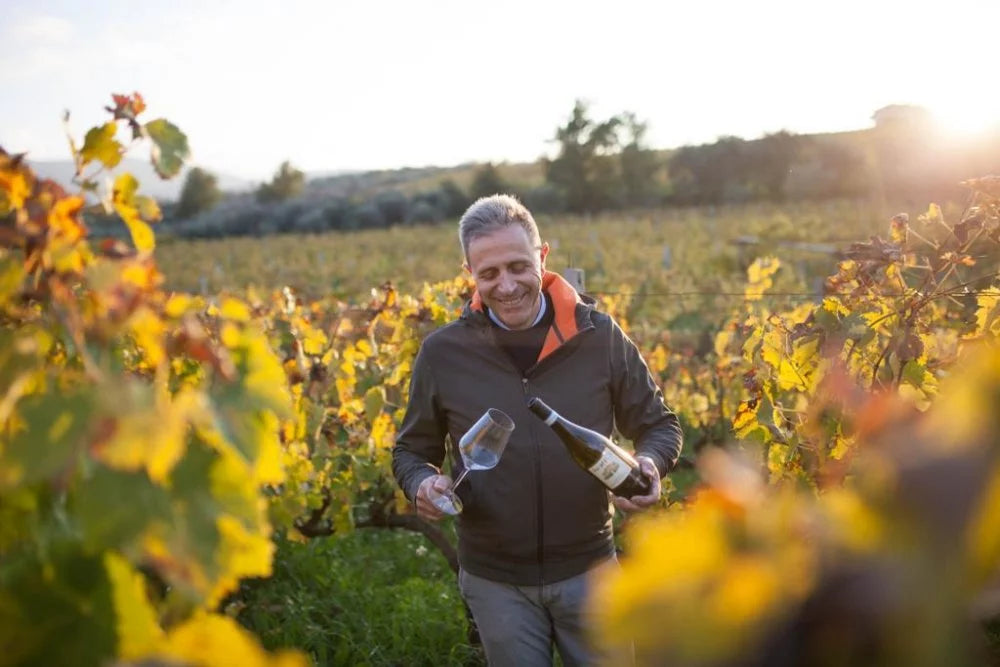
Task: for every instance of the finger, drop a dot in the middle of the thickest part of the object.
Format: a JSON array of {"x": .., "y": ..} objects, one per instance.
[
  {"x": 626, "y": 504},
  {"x": 428, "y": 510}
]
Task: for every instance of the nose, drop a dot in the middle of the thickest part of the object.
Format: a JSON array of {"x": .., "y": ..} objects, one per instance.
[{"x": 506, "y": 283}]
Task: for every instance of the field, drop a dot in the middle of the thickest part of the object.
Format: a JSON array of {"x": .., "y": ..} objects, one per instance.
[
  {"x": 673, "y": 275},
  {"x": 677, "y": 268}
]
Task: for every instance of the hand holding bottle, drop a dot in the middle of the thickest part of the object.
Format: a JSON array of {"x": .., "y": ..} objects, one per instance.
[
  {"x": 639, "y": 503},
  {"x": 597, "y": 454}
]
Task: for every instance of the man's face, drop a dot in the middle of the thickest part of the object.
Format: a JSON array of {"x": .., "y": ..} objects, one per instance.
[{"x": 507, "y": 270}]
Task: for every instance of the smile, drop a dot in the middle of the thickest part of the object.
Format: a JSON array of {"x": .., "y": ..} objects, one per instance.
[{"x": 511, "y": 301}]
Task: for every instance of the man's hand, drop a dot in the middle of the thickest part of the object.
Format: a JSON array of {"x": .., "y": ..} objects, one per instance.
[
  {"x": 429, "y": 488},
  {"x": 639, "y": 503}
]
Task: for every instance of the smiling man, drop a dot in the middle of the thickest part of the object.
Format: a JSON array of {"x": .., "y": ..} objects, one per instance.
[{"x": 533, "y": 527}]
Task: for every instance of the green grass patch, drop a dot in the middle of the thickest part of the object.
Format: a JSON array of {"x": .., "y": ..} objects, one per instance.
[{"x": 374, "y": 597}]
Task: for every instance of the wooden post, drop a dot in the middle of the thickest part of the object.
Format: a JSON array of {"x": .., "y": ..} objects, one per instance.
[{"x": 575, "y": 278}]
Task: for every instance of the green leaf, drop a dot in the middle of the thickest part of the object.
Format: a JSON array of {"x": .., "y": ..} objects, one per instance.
[
  {"x": 916, "y": 374},
  {"x": 170, "y": 147},
  {"x": 148, "y": 208},
  {"x": 100, "y": 144},
  {"x": 59, "y": 612},
  {"x": 11, "y": 277},
  {"x": 55, "y": 427},
  {"x": 109, "y": 523},
  {"x": 192, "y": 536},
  {"x": 374, "y": 402}
]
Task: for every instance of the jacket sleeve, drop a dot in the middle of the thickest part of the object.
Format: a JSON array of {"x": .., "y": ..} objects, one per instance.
[
  {"x": 640, "y": 413},
  {"x": 420, "y": 443}
]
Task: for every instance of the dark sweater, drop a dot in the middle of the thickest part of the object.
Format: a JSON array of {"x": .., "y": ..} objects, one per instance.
[{"x": 524, "y": 345}]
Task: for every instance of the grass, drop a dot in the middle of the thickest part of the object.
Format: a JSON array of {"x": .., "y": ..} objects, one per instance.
[{"x": 373, "y": 597}]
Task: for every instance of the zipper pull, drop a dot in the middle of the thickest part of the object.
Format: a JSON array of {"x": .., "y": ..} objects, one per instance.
[{"x": 524, "y": 385}]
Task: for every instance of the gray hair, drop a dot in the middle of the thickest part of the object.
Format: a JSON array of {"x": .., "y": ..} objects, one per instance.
[{"x": 489, "y": 214}]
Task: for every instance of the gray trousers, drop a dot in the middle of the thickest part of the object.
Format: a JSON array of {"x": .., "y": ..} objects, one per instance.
[{"x": 518, "y": 625}]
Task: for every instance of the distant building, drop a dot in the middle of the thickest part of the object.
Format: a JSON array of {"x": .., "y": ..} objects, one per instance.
[{"x": 901, "y": 115}]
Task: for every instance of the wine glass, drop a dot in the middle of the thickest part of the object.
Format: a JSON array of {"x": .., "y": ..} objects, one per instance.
[{"x": 480, "y": 448}]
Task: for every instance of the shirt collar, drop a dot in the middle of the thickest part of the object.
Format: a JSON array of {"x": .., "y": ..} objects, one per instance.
[{"x": 541, "y": 314}]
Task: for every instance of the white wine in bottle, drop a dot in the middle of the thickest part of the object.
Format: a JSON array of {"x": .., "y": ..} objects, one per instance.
[{"x": 605, "y": 460}]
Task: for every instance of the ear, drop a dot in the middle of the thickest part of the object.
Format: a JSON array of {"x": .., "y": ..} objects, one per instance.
[{"x": 544, "y": 252}]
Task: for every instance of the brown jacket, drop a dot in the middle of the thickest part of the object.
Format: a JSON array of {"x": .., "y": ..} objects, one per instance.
[{"x": 537, "y": 517}]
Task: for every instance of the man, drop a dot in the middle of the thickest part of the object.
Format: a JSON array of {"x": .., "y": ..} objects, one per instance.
[{"x": 536, "y": 524}]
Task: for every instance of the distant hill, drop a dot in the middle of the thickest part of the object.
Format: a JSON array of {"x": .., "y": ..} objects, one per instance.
[
  {"x": 411, "y": 180},
  {"x": 61, "y": 171}
]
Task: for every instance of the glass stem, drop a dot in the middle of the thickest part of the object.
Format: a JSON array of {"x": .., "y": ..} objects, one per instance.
[{"x": 460, "y": 478}]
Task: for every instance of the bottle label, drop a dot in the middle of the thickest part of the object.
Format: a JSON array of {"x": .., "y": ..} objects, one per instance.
[{"x": 610, "y": 469}]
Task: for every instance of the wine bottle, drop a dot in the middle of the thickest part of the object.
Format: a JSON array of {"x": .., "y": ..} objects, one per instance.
[{"x": 605, "y": 460}]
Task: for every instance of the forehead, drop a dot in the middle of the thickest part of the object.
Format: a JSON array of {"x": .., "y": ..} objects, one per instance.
[{"x": 501, "y": 246}]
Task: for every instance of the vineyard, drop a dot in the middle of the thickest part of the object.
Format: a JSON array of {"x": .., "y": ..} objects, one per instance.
[{"x": 179, "y": 422}]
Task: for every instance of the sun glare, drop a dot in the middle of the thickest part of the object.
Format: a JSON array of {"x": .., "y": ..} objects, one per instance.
[{"x": 967, "y": 121}]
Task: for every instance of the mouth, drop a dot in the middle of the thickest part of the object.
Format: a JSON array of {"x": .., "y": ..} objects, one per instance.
[{"x": 511, "y": 302}]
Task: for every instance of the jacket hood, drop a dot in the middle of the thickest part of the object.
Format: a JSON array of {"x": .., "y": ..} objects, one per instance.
[{"x": 565, "y": 301}]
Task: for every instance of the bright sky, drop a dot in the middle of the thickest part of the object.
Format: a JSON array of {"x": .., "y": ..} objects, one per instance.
[{"x": 383, "y": 84}]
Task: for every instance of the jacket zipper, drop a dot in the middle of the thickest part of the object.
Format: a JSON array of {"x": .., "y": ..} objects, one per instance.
[{"x": 539, "y": 490}]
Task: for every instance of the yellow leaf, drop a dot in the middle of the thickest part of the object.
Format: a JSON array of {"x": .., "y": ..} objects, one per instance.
[
  {"x": 241, "y": 554},
  {"x": 230, "y": 335},
  {"x": 400, "y": 373},
  {"x": 268, "y": 468},
  {"x": 125, "y": 204},
  {"x": 235, "y": 310},
  {"x": 100, "y": 144},
  {"x": 746, "y": 418},
  {"x": 383, "y": 432},
  {"x": 722, "y": 339},
  {"x": 15, "y": 186},
  {"x": 213, "y": 640},
  {"x": 364, "y": 348},
  {"x": 834, "y": 305},
  {"x": 138, "y": 630},
  {"x": 748, "y": 587},
  {"x": 984, "y": 530},
  {"x": 147, "y": 329},
  {"x": 149, "y": 432},
  {"x": 858, "y": 525},
  {"x": 177, "y": 305},
  {"x": 759, "y": 277},
  {"x": 314, "y": 341},
  {"x": 933, "y": 214},
  {"x": 64, "y": 219},
  {"x": 657, "y": 360},
  {"x": 143, "y": 274}
]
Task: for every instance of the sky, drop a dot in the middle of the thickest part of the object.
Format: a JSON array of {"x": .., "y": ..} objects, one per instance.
[{"x": 384, "y": 84}]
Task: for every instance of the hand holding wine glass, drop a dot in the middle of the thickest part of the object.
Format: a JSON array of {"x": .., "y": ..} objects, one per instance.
[{"x": 480, "y": 448}]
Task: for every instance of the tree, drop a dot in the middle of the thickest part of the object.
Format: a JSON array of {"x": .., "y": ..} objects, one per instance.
[
  {"x": 453, "y": 198},
  {"x": 287, "y": 182},
  {"x": 771, "y": 159},
  {"x": 587, "y": 168},
  {"x": 488, "y": 181},
  {"x": 712, "y": 173},
  {"x": 200, "y": 193},
  {"x": 638, "y": 163}
]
